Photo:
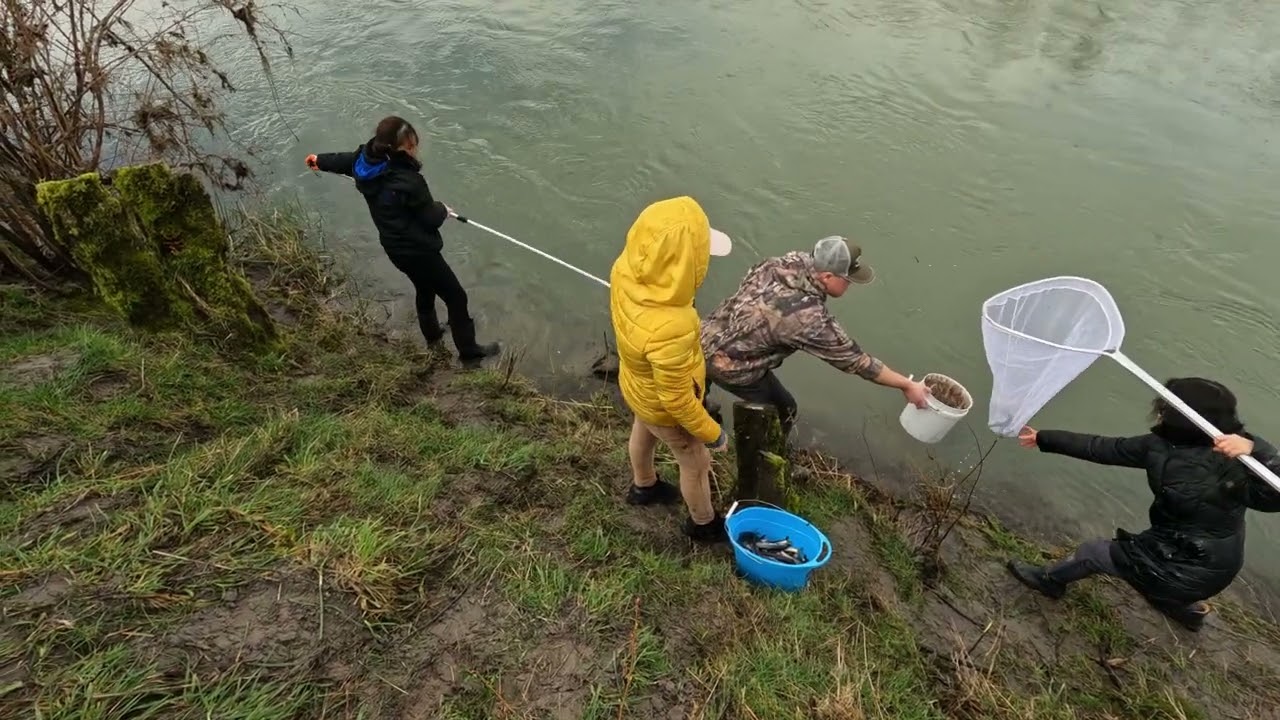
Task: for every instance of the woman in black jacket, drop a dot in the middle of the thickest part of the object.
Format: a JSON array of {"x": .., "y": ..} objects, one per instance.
[
  {"x": 389, "y": 176},
  {"x": 1195, "y": 545}
]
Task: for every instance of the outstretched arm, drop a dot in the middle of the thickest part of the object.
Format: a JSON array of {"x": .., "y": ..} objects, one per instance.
[
  {"x": 821, "y": 336},
  {"x": 342, "y": 163},
  {"x": 818, "y": 334},
  {"x": 1121, "y": 451}
]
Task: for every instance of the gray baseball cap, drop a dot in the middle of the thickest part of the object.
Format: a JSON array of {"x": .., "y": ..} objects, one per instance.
[{"x": 838, "y": 256}]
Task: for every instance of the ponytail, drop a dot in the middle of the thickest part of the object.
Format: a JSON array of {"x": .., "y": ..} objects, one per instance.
[{"x": 390, "y": 135}]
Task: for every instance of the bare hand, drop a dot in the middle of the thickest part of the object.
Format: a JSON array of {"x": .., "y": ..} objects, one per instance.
[
  {"x": 1233, "y": 446},
  {"x": 917, "y": 394},
  {"x": 1028, "y": 437},
  {"x": 312, "y": 162}
]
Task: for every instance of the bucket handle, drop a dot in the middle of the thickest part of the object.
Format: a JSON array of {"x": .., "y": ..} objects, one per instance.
[
  {"x": 734, "y": 507},
  {"x": 823, "y": 553}
]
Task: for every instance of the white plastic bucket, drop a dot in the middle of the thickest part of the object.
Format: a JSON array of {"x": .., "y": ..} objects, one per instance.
[{"x": 934, "y": 422}]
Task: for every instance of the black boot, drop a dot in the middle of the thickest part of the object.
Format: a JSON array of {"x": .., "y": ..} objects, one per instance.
[
  {"x": 659, "y": 493},
  {"x": 712, "y": 532},
  {"x": 432, "y": 332},
  {"x": 1190, "y": 616},
  {"x": 469, "y": 351},
  {"x": 1037, "y": 579}
]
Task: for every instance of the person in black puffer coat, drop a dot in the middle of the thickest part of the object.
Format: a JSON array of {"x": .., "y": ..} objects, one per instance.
[
  {"x": 389, "y": 176},
  {"x": 1195, "y": 546}
]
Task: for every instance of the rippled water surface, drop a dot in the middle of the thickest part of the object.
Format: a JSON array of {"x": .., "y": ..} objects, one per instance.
[{"x": 970, "y": 145}]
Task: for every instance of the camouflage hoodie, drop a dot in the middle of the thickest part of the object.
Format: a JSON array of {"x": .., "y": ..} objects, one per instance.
[{"x": 779, "y": 308}]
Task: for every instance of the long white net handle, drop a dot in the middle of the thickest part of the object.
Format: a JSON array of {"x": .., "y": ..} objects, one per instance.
[{"x": 1249, "y": 461}]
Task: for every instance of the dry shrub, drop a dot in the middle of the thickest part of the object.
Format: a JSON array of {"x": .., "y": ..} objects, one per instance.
[
  {"x": 944, "y": 497},
  {"x": 91, "y": 85}
]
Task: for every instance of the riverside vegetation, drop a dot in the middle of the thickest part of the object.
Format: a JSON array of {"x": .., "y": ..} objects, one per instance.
[{"x": 341, "y": 526}]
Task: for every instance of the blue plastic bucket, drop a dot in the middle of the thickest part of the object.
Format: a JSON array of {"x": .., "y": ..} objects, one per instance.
[{"x": 775, "y": 523}]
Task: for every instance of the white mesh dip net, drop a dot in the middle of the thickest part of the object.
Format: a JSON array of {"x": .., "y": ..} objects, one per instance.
[{"x": 1039, "y": 337}]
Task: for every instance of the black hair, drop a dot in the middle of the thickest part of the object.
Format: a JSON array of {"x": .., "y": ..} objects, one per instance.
[
  {"x": 390, "y": 135},
  {"x": 1211, "y": 399}
]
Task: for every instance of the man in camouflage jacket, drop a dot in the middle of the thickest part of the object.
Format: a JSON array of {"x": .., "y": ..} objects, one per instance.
[{"x": 781, "y": 307}]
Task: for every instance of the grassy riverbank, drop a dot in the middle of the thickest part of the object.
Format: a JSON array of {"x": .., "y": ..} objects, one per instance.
[{"x": 351, "y": 529}]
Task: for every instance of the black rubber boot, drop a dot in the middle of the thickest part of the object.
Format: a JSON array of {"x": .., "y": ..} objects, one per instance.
[
  {"x": 712, "y": 532},
  {"x": 1037, "y": 579},
  {"x": 1190, "y": 616},
  {"x": 432, "y": 332},
  {"x": 470, "y": 352},
  {"x": 660, "y": 493}
]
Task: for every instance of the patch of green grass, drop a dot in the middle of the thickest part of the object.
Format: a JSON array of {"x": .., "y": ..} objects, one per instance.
[
  {"x": 826, "y": 505},
  {"x": 541, "y": 585},
  {"x": 1095, "y": 617},
  {"x": 479, "y": 699},
  {"x": 375, "y": 562},
  {"x": 494, "y": 383},
  {"x": 1005, "y": 544},
  {"x": 1248, "y": 622},
  {"x": 821, "y": 652},
  {"x": 895, "y": 554},
  {"x": 1154, "y": 697},
  {"x": 20, "y": 311},
  {"x": 393, "y": 491},
  {"x": 517, "y": 411},
  {"x": 481, "y": 447},
  {"x": 113, "y": 684}
]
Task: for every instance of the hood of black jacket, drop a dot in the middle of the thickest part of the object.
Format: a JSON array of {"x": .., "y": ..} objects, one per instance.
[{"x": 374, "y": 174}]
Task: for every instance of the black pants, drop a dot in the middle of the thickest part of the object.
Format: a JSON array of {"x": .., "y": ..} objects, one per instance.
[
  {"x": 768, "y": 390},
  {"x": 433, "y": 278},
  {"x": 1094, "y": 558},
  {"x": 1090, "y": 558}
]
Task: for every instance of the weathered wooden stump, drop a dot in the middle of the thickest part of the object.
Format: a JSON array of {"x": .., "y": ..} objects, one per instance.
[
  {"x": 761, "y": 450},
  {"x": 151, "y": 241}
]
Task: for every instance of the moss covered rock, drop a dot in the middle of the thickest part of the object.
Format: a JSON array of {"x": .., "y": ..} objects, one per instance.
[{"x": 152, "y": 243}]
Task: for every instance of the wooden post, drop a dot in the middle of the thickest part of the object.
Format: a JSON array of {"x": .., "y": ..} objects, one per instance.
[{"x": 761, "y": 452}]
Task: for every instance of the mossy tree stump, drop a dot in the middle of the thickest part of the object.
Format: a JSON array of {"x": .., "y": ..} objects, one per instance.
[
  {"x": 151, "y": 241},
  {"x": 761, "y": 450}
]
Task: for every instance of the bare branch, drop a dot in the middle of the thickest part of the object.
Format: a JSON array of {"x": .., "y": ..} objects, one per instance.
[{"x": 83, "y": 87}]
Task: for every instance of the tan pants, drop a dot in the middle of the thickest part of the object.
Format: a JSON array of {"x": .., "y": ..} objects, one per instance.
[{"x": 691, "y": 455}]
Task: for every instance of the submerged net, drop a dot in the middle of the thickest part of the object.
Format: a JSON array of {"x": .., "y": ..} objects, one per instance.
[{"x": 1039, "y": 337}]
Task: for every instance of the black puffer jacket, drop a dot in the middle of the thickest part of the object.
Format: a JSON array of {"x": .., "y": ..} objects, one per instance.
[
  {"x": 407, "y": 217},
  {"x": 1195, "y": 546}
]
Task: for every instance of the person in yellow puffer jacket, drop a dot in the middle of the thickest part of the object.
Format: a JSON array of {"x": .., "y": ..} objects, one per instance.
[{"x": 662, "y": 372}]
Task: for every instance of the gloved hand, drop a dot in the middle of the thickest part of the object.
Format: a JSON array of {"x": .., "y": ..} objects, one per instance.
[{"x": 720, "y": 444}]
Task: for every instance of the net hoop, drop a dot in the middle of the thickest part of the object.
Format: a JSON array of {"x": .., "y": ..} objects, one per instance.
[{"x": 1091, "y": 288}]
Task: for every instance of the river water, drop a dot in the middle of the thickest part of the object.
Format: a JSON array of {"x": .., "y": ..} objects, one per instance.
[{"x": 969, "y": 145}]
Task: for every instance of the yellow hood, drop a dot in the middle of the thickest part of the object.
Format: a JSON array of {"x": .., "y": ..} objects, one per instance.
[
  {"x": 662, "y": 372},
  {"x": 666, "y": 256}
]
